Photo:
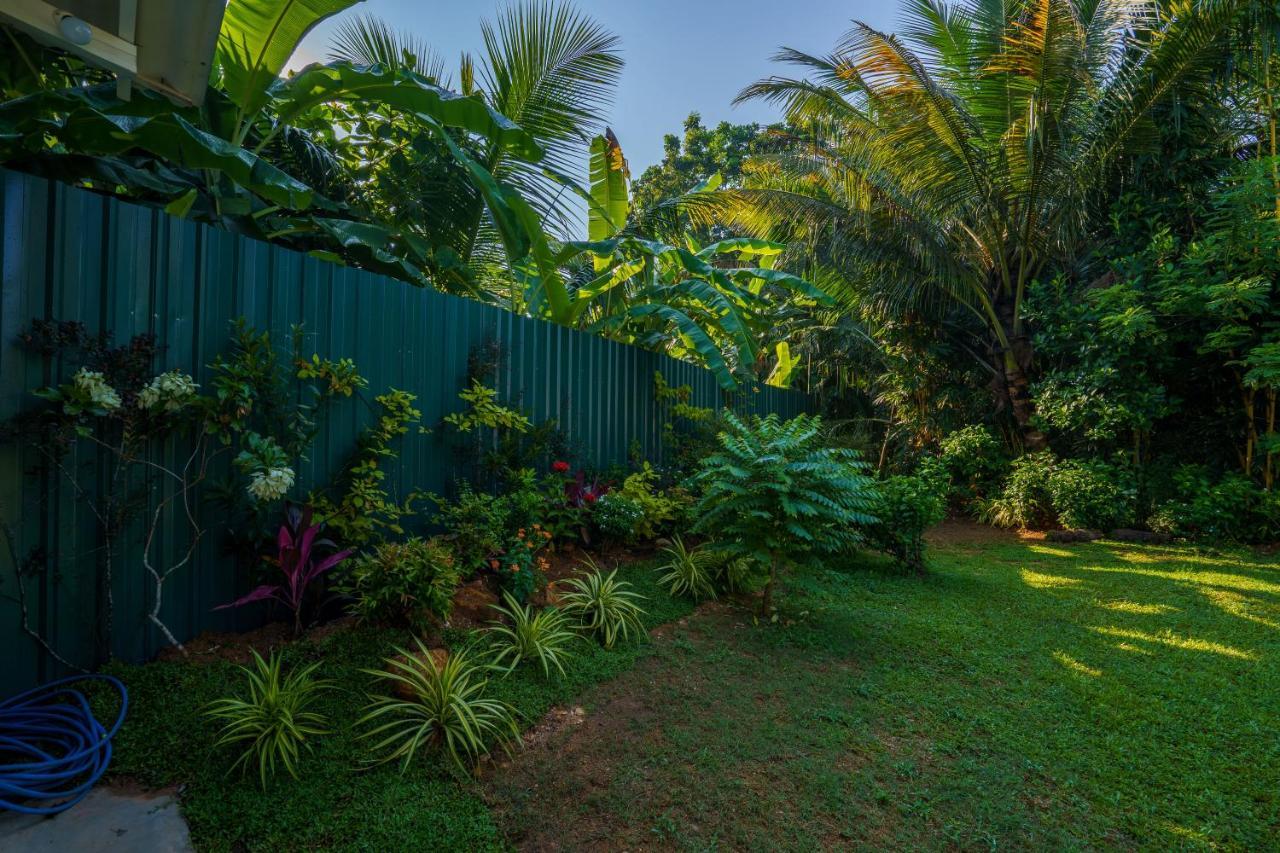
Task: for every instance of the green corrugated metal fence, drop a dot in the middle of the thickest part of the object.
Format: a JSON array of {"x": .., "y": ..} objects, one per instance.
[{"x": 68, "y": 254}]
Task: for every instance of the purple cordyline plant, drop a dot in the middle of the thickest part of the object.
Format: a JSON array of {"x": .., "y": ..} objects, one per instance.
[{"x": 295, "y": 542}]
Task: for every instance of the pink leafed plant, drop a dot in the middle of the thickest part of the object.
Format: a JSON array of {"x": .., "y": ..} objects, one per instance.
[{"x": 294, "y": 542}]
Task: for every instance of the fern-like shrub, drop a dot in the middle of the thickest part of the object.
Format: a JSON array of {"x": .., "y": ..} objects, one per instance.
[
  {"x": 403, "y": 582},
  {"x": 1025, "y": 500},
  {"x": 272, "y": 724},
  {"x": 774, "y": 493}
]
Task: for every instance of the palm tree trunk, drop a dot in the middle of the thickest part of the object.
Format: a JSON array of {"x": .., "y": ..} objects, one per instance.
[{"x": 1013, "y": 356}]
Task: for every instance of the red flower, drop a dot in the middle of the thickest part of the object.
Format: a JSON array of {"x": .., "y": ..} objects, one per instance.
[
  {"x": 590, "y": 497},
  {"x": 559, "y": 467}
]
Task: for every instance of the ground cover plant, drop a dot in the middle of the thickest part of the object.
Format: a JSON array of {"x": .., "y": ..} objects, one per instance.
[{"x": 339, "y": 800}]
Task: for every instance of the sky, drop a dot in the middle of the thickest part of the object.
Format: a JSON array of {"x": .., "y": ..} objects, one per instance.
[{"x": 681, "y": 55}]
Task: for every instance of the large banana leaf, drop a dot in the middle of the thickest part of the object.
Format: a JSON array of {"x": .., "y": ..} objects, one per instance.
[
  {"x": 257, "y": 39},
  {"x": 690, "y": 331},
  {"x": 400, "y": 89},
  {"x": 86, "y": 122},
  {"x": 608, "y": 189}
]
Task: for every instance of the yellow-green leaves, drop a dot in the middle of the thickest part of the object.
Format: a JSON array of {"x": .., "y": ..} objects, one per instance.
[
  {"x": 257, "y": 39},
  {"x": 609, "y": 207}
]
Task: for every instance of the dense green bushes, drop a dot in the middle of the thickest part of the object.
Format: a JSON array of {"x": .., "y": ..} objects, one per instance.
[
  {"x": 905, "y": 508},
  {"x": 1232, "y": 509}
]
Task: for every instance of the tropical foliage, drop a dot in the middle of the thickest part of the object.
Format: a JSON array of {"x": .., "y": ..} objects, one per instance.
[
  {"x": 776, "y": 491},
  {"x": 274, "y": 722},
  {"x": 446, "y": 710},
  {"x": 604, "y": 606}
]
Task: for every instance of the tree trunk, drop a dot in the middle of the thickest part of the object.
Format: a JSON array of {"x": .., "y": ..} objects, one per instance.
[
  {"x": 766, "y": 601},
  {"x": 1013, "y": 369}
]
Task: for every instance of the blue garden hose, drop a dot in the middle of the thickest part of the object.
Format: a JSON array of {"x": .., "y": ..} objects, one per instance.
[{"x": 52, "y": 748}]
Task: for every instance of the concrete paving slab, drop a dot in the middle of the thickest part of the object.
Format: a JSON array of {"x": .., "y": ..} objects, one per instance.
[{"x": 108, "y": 820}]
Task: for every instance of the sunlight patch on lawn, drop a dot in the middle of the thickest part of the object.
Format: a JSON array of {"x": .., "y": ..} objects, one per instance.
[
  {"x": 1050, "y": 552},
  {"x": 1240, "y": 606},
  {"x": 1130, "y": 647},
  {"x": 1123, "y": 606},
  {"x": 1039, "y": 581},
  {"x": 1240, "y": 582},
  {"x": 1172, "y": 640},
  {"x": 1076, "y": 666}
]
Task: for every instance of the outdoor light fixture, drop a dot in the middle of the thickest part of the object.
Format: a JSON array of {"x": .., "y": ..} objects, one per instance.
[{"x": 75, "y": 30}]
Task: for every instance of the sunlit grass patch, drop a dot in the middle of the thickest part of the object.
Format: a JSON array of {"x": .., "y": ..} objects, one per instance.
[
  {"x": 1168, "y": 638},
  {"x": 1076, "y": 666},
  {"x": 1049, "y": 551},
  {"x": 1245, "y": 583},
  {"x": 1134, "y": 607},
  {"x": 1039, "y": 580},
  {"x": 1240, "y": 606}
]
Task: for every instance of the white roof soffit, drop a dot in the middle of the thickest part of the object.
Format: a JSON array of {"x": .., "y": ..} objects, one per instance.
[{"x": 165, "y": 45}]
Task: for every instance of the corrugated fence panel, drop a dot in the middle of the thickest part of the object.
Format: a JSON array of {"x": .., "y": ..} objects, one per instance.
[{"x": 67, "y": 254}]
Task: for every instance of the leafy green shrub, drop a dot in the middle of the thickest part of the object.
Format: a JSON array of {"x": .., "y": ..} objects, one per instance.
[
  {"x": 543, "y": 637},
  {"x": 907, "y": 506},
  {"x": 274, "y": 721},
  {"x": 402, "y": 582},
  {"x": 689, "y": 571},
  {"x": 975, "y": 461},
  {"x": 1234, "y": 509},
  {"x": 618, "y": 516},
  {"x": 1025, "y": 500},
  {"x": 605, "y": 607},
  {"x": 366, "y": 511},
  {"x": 446, "y": 710},
  {"x": 476, "y": 527},
  {"x": 773, "y": 493},
  {"x": 520, "y": 570},
  {"x": 1092, "y": 495},
  {"x": 656, "y": 509}
]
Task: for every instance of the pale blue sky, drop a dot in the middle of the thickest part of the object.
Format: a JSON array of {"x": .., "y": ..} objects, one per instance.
[{"x": 681, "y": 55}]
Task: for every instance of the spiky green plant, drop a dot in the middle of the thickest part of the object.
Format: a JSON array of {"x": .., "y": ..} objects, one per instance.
[
  {"x": 688, "y": 571},
  {"x": 446, "y": 710},
  {"x": 543, "y": 636},
  {"x": 605, "y": 607},
  {"x": 274, "y": 721}
]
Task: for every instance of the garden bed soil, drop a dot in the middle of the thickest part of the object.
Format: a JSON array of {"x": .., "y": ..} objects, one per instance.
[
  {"x": 471, "y": 609},
  {"x": 966, "y": 532}
]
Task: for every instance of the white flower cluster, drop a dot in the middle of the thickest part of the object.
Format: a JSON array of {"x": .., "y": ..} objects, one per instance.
[
  {"x": 170, "y": 390},
  {"x": 267, "y": 484},
  {"x": 94, "y": 385}
]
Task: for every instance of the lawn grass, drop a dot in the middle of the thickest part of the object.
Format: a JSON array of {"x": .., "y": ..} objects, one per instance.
[{"x": 1024, "y": 694}]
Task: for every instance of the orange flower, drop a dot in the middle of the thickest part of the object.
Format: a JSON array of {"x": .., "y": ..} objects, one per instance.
[{"x": 493, "y": 564}]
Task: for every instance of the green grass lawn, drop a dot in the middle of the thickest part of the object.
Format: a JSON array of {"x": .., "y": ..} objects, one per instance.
[{"x": 1023, "y": 695}]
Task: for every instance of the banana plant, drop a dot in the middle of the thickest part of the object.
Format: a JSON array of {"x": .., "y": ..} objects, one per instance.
[
  {"x": 708, "y": 304},
  {"x": 248, "y": 158}
]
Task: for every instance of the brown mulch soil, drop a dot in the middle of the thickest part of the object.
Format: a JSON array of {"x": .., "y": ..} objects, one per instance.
[{"x": 965, "y": 532}]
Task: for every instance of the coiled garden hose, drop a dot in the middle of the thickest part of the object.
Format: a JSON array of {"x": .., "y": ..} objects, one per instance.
[{"x": 52, "y": 749}]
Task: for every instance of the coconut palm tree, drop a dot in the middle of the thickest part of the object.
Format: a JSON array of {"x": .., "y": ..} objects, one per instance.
[
  {"x": 545, "y": 66},
  {"x": 957, "y": 160}
]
